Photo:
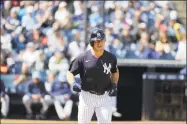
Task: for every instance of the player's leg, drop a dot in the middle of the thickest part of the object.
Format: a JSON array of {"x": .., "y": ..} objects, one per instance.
[
  {"x": 114, "y": 107},
  {"x": 5, "y": 105},
  {"x": 59, "y": 109},
  {"x": 27, "y": 101},
  {"x": 104, "y": 110},
  {"x": 85, "y": 108},
  {"x": 104, "y": 114},
  {"x": 46, "y": 101},
  {"x": 68, "y": 107},
  {"x": 63, "y": 113}
]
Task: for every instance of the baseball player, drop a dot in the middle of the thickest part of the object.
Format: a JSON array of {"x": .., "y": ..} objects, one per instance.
[
  {"x": 36, "y": 93},
  {"x": 97, "y": 86},
  {"x": 4, "y": 100},
  {"x": 61, "y": 93}
]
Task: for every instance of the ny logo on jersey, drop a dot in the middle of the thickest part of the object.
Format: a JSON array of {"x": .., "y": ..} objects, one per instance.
[
  {"x": 98, "y": 35},
  {"x": 106, "y": 69}
]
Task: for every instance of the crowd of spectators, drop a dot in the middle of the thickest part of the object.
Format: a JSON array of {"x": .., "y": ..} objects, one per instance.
[{"x": 47, "y": 35}]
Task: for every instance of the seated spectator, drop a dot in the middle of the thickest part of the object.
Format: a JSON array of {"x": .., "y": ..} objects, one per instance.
[
  {"x": 21, "y": 79},
  {"x": 37, "y": 38},
  {"x": 117, "y": 48},
  {"x": 6, "y": 8},
  {"x": 19, "y": 43},
  {"x": 126, "y": 38},
  {"x": 95, "y": 18},
  {"x": 181, "y": 51},
  {"x": 63, "y": 16},
  {"x": 55, "y": 39},
  {"x": 4, "y": 66},
  {"x": 178, "y": 28},
  {"x": 136, "y": 20},
  {"x": 29, "y": 53},
  {"x": 163, "y": 47},
  {"x": 50, "y": 79},
  {"x": 52, "y": 37},
  {"x": 154, "y": 30},
  {"x": 28, "y": 21},
  {"x": 142, "y": 48},
  {"x": 47, "y": 21},
  {"x": 76, "y": 47},
  {"x": 5, "y": 40},
  {"x": 23, "y": 76},
  {"x": 40, "y": 11},
  {"x": 174, "y": 27},
  {"x": 109, "y": 36},
  {"x": 61, "y": 92},
  {"x": 12, "y": 21},
  {"x": 36, "y": 93},
  {"x": 78, "y": 16},
  {"x": 22, "y": 12},
  {"x": 40, "y": 64},
  {"x": 58, "y": 62},
  {"x": 5, "y": 100},
  {"x": 117, "y": 18}
]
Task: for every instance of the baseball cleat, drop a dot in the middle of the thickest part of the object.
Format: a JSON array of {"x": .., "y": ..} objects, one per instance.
[{"x": 116, "y": 114}]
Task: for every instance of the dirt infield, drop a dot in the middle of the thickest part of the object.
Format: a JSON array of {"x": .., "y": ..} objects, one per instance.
[{"x": 13, "y": 121}]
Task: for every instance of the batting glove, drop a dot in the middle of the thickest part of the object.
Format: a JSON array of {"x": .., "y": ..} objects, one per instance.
[
  {"x": 76, "y": 87},
  {"x": 113, "y": 90}
]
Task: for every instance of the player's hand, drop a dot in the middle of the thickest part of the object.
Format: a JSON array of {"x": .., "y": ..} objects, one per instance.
[
  {"x": 113, "y": 90},
  {"x": 76, "y": 87},
  {"x": 66, "y": 97},
  {"x": 36, "y": 97}
]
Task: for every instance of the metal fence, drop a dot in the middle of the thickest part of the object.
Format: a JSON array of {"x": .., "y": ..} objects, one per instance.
[{"x": 164, "y": 96}]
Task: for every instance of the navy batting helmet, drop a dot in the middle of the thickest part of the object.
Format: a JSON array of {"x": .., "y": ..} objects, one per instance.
[{"x": 96, "y": 34}]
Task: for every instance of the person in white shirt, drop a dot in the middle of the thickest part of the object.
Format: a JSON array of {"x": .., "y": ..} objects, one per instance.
[
  {"x": 181, "y": 52},
  {"x": 62, "y": 15},
  {"x": 29, "y": 55},
  {"x": 50, "y": 79},
  {"x": 77, "y": 46},
  {"x": 58, "y": 62},
  {"x": 27, "y": 20}
]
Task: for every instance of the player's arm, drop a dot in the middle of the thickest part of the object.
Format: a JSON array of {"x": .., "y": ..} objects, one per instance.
[
  {"x": 70, "y": 77},
  {"x": 74, "y": 69},
  {"x": 115, "y": 76},
  {"x": 114, "y": 71}
]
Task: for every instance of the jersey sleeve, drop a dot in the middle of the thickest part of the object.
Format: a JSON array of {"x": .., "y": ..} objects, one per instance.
[
  {"x": 114, "y": 65},
  {"x": 75, "y": 66}
]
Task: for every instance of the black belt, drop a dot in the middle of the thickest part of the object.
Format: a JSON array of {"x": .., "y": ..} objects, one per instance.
[{"x": 97, "y": 93}]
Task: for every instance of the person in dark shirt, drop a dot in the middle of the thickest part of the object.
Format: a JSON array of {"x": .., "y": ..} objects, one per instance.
[
  {"x": 35, "y": 93},
  {"x": 61, "y": 93},
  {"x": 99, "y": 77},
  {"x": 5, "y": 100}
]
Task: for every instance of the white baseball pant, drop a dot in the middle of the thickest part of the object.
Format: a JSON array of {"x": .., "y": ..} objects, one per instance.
[
  {"x": 65, "y": 111},
  {"x": 101, "y": 104},
  {"x": 46, "y": 101},
  {"x": 114, "y": 104},
  {"x": 5, "y": 105}
]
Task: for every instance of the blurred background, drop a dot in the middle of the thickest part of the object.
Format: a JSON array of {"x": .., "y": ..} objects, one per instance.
[{"x": 147, "y": 37}]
